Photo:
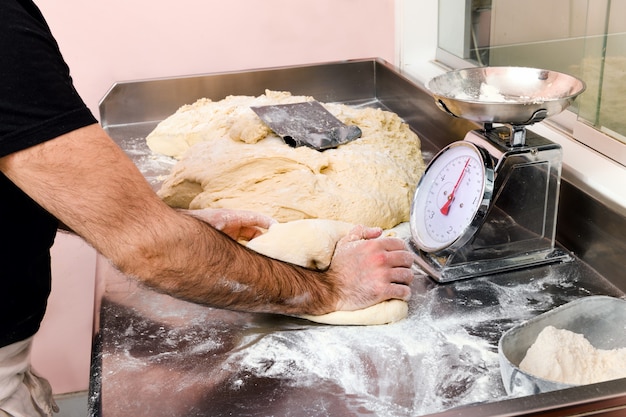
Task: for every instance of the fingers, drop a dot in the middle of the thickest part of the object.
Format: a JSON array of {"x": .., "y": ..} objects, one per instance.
[
  {"x": 238, "y": 224},
  {"x": 249, "y": 224},
  {"x": 400, "y": 257},
  {"x": 249, "y": 233},
  {"x": 219, "y": 218},
  {"x": 366, "y": 233},
  {"x": 394, "y": 244},
  {"x": 401, "y": 276},
  {"x": 254, "y": 219},
  {"x": 400, "y": 292},
  {"x": 361, "y": 232},
  {"x": 372, "y": 268},
  {"x": 371, "y": 232},
  {"x": 394, "y": 250}
]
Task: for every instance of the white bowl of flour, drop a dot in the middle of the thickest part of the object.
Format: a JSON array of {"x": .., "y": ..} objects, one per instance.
[{"x": 582, "y": 342}]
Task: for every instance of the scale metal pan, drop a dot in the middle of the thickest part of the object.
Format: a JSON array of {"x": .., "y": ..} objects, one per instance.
[{"x": 512, "y": 95}]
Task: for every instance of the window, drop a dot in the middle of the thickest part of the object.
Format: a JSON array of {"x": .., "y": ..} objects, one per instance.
[{"x": 585, "y": 38}]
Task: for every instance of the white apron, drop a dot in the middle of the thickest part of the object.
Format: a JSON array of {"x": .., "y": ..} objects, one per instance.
[{"x": 23, "y": 393}]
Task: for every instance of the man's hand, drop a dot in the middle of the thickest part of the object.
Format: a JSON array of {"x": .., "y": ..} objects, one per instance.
[
  {"x": 371, "y": 269},
  {"x": 237, "y": 224}
]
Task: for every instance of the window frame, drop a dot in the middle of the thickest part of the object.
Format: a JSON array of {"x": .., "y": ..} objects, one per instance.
[{"x": 592, "y": 160}]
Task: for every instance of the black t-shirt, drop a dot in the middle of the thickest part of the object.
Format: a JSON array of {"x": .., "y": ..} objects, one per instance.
[{"x": 38, "y": 102}]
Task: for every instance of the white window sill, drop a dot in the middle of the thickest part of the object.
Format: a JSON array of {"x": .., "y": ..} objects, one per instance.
[{"x": 589, "y": 170}]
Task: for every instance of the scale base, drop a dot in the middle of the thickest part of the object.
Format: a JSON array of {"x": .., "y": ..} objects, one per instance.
[{"x": 432, "y": 265}]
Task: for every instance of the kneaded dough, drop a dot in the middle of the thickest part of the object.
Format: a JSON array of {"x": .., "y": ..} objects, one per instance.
[
  {"x": 311, "y": 243},
  {"x": 230, "y": 159},
  {"x": 564, "y": 356},
  {"x": 308, "y": 243},
  {"x": 386, "y": 312}
]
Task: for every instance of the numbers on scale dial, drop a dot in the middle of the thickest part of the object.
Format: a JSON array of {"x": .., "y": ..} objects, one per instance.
[{"x": 453, "y": 198}]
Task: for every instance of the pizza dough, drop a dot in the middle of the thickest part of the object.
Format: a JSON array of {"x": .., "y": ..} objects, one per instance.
[
  {"x": 311, "y": 243},
  {"x": 230, "y": 159},
  {"x": 567, "y": 357}
]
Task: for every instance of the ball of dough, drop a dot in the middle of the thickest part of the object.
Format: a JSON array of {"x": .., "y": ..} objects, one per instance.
[{"x": 311, "y": 243}]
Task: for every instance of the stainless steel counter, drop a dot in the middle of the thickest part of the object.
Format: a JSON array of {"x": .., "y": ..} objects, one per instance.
[{"x": 158, "y": 356}]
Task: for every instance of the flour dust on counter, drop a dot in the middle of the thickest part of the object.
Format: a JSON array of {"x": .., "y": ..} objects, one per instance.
[
  {"x": 154, "y": 166},
  {"x": 182, "y": 359}
]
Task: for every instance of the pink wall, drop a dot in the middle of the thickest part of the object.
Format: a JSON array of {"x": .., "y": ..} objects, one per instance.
[
  {"x": 61, "y": 350},
  {"x": 120, "y": 40}
]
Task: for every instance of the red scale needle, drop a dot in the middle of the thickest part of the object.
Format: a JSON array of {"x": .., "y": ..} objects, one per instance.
[{"x": 445, "y": 209}]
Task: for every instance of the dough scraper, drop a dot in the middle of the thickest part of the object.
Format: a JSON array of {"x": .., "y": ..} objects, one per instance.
[{"x": 307, "y": 124}]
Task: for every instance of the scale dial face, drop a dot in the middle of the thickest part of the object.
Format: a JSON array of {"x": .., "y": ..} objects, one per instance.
[{"x": 448, "y": 197}]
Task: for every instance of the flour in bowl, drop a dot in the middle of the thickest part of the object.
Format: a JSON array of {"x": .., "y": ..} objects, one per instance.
[{"x": 567, "y": 357}]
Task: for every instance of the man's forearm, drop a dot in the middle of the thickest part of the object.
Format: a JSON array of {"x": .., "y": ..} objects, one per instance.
[
  {"x": 88, "y": 183},
  {"x": 215, "y": 270}
]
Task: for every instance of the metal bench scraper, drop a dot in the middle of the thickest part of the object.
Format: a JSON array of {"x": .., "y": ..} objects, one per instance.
[{"x": 307, "y": 124}]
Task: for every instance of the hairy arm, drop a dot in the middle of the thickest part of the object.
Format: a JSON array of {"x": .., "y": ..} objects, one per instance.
[{"x": 89, "y": 184}]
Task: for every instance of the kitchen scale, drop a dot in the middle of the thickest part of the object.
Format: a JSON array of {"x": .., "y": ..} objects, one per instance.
[{"x": 488, "y": 203}]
